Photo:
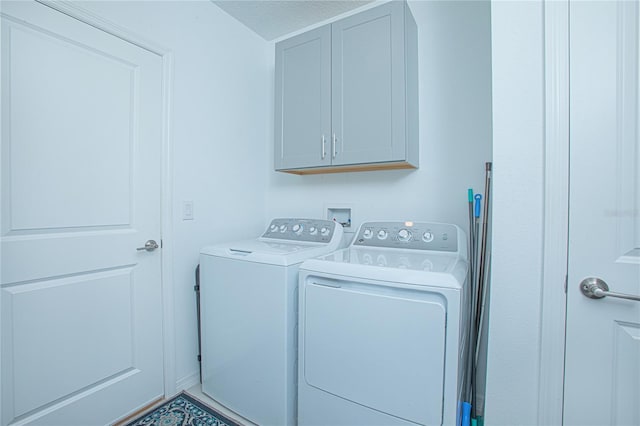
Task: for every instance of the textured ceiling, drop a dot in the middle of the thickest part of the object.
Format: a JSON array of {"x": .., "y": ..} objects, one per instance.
[{"x": 271, "y": 19}]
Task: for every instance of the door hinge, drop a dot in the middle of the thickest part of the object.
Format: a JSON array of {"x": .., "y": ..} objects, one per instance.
[
  {"x": 161, "y": 244},
  {"x": 566, "y": 283}
]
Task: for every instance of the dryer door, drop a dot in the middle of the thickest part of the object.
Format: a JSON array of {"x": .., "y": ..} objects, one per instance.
[{"x": 377, "y": 346}]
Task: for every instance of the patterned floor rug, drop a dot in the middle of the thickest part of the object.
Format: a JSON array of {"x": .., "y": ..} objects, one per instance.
[{"x": 182, "y": 410}]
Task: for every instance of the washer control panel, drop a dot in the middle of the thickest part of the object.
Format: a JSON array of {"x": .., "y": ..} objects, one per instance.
[
  {"x": 311, "y": 230},
  {"x": 408, "y": 235}
]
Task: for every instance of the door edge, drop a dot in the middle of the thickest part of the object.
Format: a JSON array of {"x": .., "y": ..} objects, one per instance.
[{"x": 556, "y": 213}]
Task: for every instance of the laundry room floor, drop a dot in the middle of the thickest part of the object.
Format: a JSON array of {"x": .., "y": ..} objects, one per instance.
[{"x": 196, "y": 392}]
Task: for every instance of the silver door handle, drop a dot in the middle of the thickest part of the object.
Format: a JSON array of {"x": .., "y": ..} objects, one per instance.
[
  {"x": 324, "y": 151},
  {"x": 333, "y": 146},
  {"x": 595, "y": 288},
  {"x": 150, "y": 245}
]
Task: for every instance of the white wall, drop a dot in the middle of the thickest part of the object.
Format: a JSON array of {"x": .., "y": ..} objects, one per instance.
[
  {"x": 219, "y": 124},
  {"x": 222, "y": 133},
  {"x": 455, "y": 132},
  {"x": 518, "y": 154}
]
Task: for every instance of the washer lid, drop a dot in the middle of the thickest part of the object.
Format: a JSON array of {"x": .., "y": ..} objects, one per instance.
[
  {"x": 270, "y": 251},
  {"x": 395, "y": 265}
]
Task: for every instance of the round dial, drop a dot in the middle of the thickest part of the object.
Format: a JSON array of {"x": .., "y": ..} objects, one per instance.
[
  {"x": 382, "y": 234},
  {"x": 313, "y": 230},
  {"x": 273, "y": 228},
  {"x": 427, "y": 237},
  {"x": 283, "y": 228},
  {"x": 404, "y": 235},
  {"x": 297, "y": 229},
  {"x": 367, "y": 233},
  {"x": 324, "y": 231}
]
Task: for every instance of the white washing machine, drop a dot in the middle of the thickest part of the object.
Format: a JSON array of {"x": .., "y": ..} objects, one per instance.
[
  {"x": 249, "y": 317},
  {"x": 383, "y": 328}
]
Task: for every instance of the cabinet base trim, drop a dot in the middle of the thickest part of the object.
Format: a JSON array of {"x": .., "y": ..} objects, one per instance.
[{"x": 350, "y": 168}]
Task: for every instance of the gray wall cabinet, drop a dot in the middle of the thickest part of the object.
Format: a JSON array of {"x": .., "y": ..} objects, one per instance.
[{"x": 347, "y": 94}]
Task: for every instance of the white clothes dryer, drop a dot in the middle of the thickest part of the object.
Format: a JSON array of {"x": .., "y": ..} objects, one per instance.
[
  {"x": 383, "y": 328},
  {"x": 249, "y": 317}
]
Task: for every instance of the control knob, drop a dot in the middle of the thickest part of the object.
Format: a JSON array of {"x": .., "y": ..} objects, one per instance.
[
  {"x": 404, "y": 235},
  {"x": 273, "y": 227},
  {"x": 427, "y": 237},
  {"x": 382, "y": 234},
  {"x": 324, "y": 231},
  {"x": 367, "y": 233},
  {"x": 313, "y": 230},
  {"x": 283, "y": 228},
  {"x": 297, "y": 229}
]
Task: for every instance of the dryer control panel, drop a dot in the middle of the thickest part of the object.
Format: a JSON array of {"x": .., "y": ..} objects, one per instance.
[
  {"x": 408, "y": 235},
  {"x": 309, "y": 230}
]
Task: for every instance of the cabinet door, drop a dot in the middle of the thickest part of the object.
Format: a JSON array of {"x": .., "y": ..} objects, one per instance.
[
  {"x": 303, "y": 100},
  {"x": 368, "y": 92}
]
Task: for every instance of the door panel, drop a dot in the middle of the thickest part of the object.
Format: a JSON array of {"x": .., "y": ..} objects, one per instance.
[
  {"x": 81, "y": 174},
  {"x": 369, "y": 86},
  {"x": 626, "y": 374},
  {"x": 602, "y": 377},
  {"x": 303, "y": 109},
  {"x": 43, "y": 335},
  {"x": 379, "y": 347},
  {"x": 105, "y": 143}
]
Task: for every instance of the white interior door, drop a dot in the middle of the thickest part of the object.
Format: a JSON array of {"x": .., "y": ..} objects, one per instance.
[
  {"x": 602, "y": 373},
  {"x": 81, "y": 184}
]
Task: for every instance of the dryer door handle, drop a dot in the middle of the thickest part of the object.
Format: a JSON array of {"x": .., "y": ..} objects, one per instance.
[{"x": 327, "y": 284}]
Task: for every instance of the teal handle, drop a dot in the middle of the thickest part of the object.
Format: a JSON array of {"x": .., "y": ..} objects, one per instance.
[
  {"x": 470, "y": 194},
  {"x": 478, "y": 198}
]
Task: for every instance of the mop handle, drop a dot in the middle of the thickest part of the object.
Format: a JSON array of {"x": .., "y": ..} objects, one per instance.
[{"x": 481, "y": 278}]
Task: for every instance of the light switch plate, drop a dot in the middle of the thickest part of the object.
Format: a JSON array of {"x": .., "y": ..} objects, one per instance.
[{"x": 187, "y": 210}]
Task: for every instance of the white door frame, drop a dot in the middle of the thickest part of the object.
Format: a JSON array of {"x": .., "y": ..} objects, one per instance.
[
  {"x": 556, "y": 212},
  {"x": 168, "y": 321}
]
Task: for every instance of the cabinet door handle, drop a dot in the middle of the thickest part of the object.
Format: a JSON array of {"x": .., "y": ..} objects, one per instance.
[
  {"x": 324, "y": 151},
  {"x": 333, "y": 146}
]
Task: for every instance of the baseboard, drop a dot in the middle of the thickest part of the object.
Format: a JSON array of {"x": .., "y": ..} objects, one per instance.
[
  {"x": 188, "y": 382},
  {"x": 139, "y": 412}
]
